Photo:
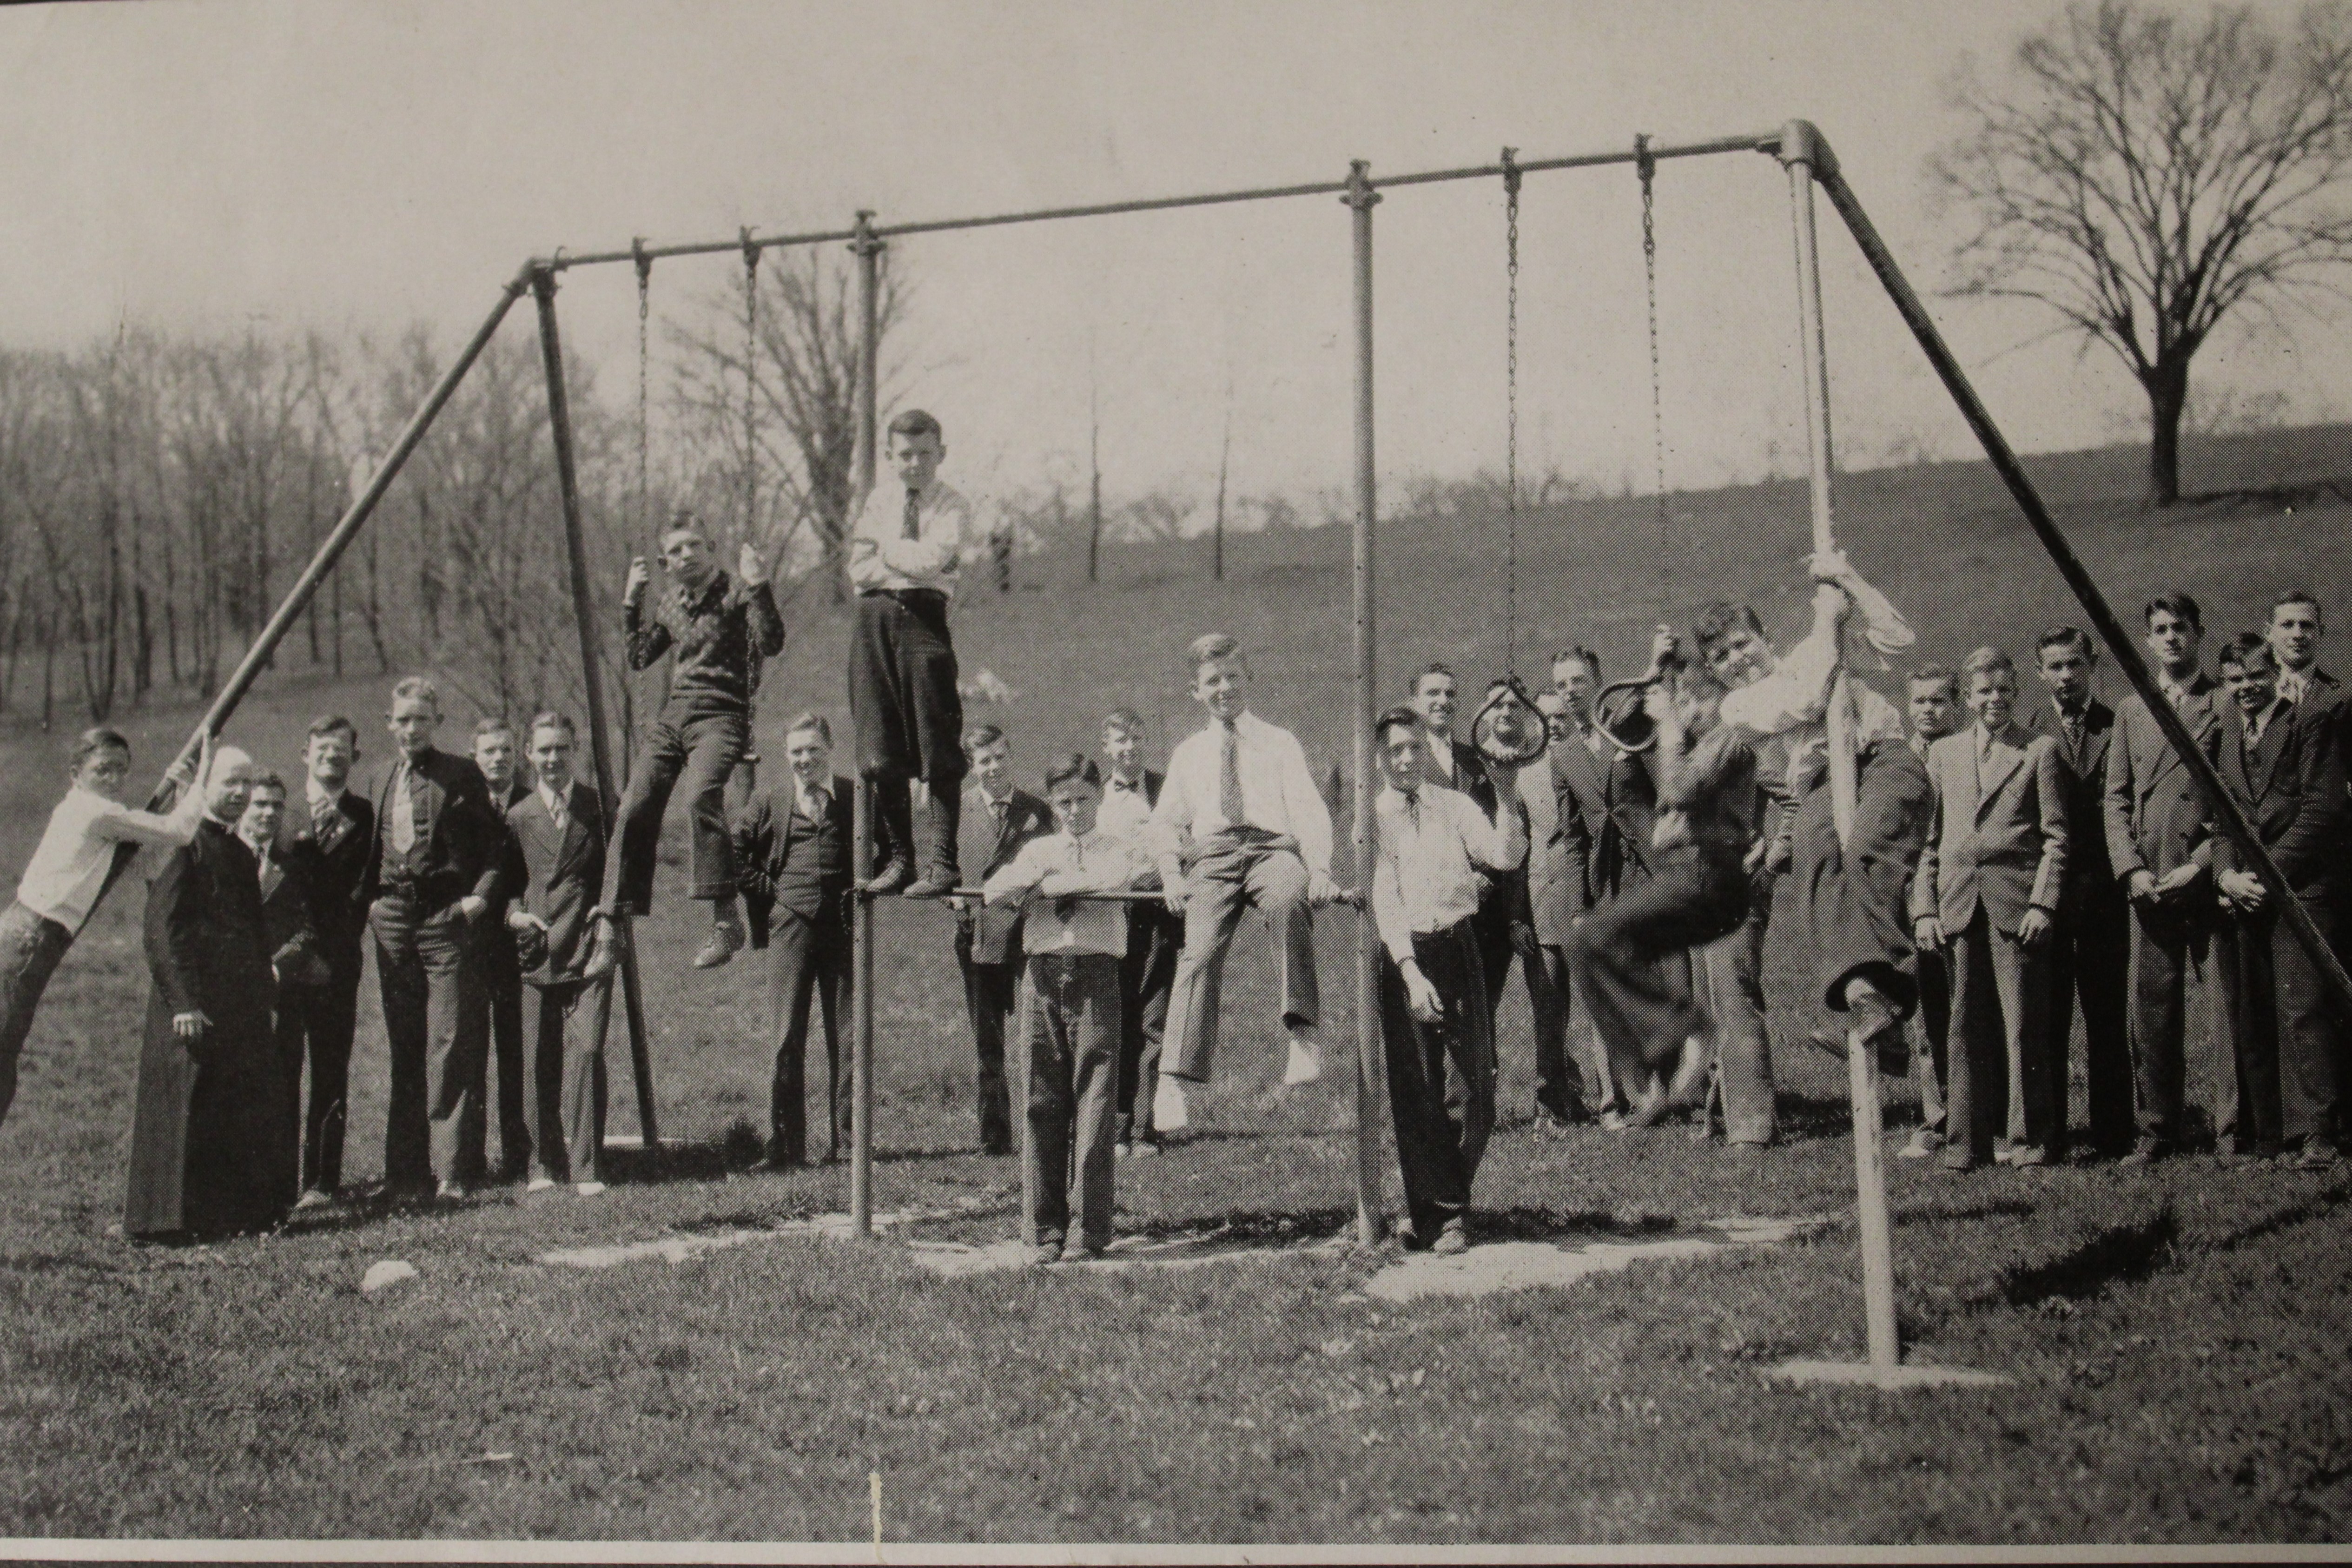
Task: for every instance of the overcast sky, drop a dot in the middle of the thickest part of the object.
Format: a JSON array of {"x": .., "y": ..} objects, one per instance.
[{"x": 365, "y": 163}]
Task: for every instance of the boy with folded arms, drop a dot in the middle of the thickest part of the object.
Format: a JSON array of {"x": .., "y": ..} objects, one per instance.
[{"x": 1070, "y": 1010}]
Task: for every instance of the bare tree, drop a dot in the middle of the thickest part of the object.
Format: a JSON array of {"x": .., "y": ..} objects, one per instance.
[
  {"x": 2144, "y": 176},
  {"x": 803, "y": 438}
]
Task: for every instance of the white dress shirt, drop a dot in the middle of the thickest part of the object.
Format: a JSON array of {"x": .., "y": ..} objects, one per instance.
[
  {"x": 1103, "y": 863},
  {"x": 1426, "y": 874},
  {"x": 1278, "y": 793},
  {"x": 2292, "y": 683},
  {"x": 69, "y": 867},
  {"x": 882, "y": 556},
  {"x": 1125, "y": 812}
]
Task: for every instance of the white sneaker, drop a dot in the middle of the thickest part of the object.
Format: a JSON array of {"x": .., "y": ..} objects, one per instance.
[
  {"x": 589, "y": 1189},
  {"x": 539, "y": 1184},
  {"x": 1305, "y": 1064},
  {"x": 1168, "y": 1110}
]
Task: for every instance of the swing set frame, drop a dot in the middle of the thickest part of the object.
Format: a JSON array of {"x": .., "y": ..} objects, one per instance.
[{"x": 1809, "y": 163}]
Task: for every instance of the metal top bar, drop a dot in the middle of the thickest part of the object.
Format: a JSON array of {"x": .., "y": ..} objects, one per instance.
[{"x": 1767, "y": 142}]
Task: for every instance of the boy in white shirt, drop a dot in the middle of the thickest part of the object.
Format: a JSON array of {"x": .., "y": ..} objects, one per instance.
[
  {"x": 1070, "y": 1010},
  {"x": 1240, "y": 825},
  {"x": 1436, "y": 853},
  {"x": 68, "y": 870}
]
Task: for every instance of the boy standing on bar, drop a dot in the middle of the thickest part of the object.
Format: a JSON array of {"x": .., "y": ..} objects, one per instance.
[
  {"x": 1070, "y": 1008},
  {"x": 906, "y": 554}
]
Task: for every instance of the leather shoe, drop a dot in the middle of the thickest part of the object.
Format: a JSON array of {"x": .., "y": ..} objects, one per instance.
[
  {"x": 2146, "y": 1152},
  {"x": 2317, "y": 1155},
  {"x": 726, "y": 939},
  {"x": 890, "y": 880}
]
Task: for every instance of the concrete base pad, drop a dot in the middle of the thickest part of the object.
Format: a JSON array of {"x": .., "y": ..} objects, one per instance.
[{"x": 1894, "y": 1379}]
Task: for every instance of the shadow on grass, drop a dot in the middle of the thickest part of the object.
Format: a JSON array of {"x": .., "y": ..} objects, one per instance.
[
  {"x": 2000, "y": 1208},
  {"x": 2124, "y": 1254},
  {"x": 2326, "y": 1200}
]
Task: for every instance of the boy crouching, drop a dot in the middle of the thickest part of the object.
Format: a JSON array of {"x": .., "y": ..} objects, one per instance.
[{"x": 1070, "y": 1012}]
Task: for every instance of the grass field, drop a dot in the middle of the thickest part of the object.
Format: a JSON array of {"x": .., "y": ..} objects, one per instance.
[{"x": 2175, "y": 1334}]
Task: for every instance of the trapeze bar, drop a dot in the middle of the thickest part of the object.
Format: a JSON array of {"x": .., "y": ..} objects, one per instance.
[{"x": 1767, "y": 142}]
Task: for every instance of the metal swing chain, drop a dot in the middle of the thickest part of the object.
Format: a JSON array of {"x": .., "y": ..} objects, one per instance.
[
  {"x": 1511, "y": 414},
  {"x": 645, "y": 418},
  {"x": 750, "y": 385},
  {"x": 749, "y": 534},
  {"x": 1646, "y": 165}
]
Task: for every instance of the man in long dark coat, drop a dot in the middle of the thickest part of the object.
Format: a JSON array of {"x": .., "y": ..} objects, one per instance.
[{"x": 206, "y": 1128}]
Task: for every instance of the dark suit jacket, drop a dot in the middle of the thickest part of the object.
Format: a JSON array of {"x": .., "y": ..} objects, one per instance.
[
  {"x": 1997, "y": 840},
  {"x": 776, "y": 855},
  {"x": 2090, "y": 870},
  {"x": 2293, "y": 791},
  {"x": 2156, "y": 819},
  {"x": 334, "y": 851},
  {"x": 288, "y": 925},
  {"x": 994, "y": 930},
  {"x": 462, "y": 848},
  {"x": 561, "y": 877},
  {"x": 1615, "y": 805}
]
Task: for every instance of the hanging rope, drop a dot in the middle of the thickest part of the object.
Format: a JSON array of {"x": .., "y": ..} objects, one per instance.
[
  {"x": 644, "y": 404},
  {"x": 1646, "y": 165},
  {"x": 1511, "y": 414}
]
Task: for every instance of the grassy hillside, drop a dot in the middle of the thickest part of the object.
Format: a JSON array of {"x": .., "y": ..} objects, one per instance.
[{"x": 2178, "y": 1334}]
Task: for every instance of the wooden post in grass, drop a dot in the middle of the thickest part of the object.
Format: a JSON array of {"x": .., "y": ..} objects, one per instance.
[
  {"x": 1800, "y": 149},
  {"x": 1360, "y": 200},
  {"x": 868, "y": 250},
  {"x": 583, "y": 610}
]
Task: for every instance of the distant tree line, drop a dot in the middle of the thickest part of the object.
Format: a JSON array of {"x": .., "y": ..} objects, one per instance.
[{"x": 158, "y": 494}]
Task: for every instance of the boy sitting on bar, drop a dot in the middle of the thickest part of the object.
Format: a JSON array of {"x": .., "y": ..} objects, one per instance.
[
  {"x": 1240, "y": 825},
  {"x": 1070, "y": 1010}
]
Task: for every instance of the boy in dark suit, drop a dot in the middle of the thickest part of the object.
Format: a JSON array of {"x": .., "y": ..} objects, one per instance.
[
  {"x": 294, "y": 961},
  {"x": 440, "y": 844},
  {"x": 2158, "y": 843},
  {"x": 996, "y": 820},
  {"x": 1147, "y": 974},
  {"x": 331, "y": 835},
  {"x": 1605, "y": 802},
  {"x": 1932, "y": 705},
  {"x": 2284, "y": 772},
  {"x": 494, "y": 753},
  {"x": 793, "y": 851},
  {"x": 1986, "y": 894},
  {"x": 2090, "y": 945},
  {"x": 557, "y": 839}
]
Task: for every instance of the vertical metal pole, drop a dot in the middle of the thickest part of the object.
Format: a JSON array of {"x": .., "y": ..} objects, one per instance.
[
  {"x": 868, "y": 250},
  {"x": 584, "y": 613},
  {"x": 1800, "y": 149},
  {"x": 1360, "y": 200}
]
